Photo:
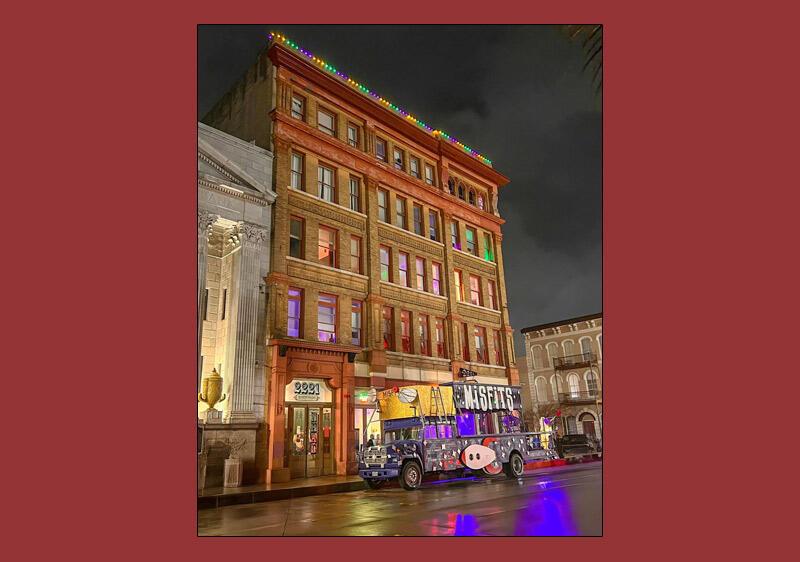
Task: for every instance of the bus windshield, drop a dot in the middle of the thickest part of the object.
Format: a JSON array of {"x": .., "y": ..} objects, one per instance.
[{"x": 401, "y": 434}]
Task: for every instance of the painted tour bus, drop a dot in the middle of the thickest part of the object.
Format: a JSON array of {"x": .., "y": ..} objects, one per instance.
[{"x": 452, "y": 427}]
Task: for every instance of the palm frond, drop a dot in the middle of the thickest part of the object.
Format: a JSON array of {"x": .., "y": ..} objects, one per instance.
[{"x": 593, "y": 47}]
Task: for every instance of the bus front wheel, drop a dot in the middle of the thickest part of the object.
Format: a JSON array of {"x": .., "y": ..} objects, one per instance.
[{"x": 411, "y": 476}]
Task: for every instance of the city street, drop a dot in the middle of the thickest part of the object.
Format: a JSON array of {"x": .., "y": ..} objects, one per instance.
[{"x": 556, "y": 501}]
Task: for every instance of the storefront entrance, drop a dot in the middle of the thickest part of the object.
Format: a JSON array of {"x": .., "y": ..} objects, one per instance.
[{"x": 310, "y": 435}]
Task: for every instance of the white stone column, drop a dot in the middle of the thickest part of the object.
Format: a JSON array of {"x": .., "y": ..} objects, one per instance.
[
  {"x": 253, "y": 240},
  {"x": 204, "y": 222}
]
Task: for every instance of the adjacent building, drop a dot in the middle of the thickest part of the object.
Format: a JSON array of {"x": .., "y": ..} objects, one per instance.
[
  {"x": 234, "y": 202},
  {"x": 565, "y": 373},
  {"x": 386, "y": 264}
]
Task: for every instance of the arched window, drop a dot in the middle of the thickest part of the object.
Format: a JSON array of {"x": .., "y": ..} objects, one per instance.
[
  {"x": 480, "y": 202},
  {"x": 574, "y": 385},
  {"x": 586, "y": 345},
  {"x": 552, "y": 352},
  {"x": 541, "y": 389},
  {"x": 461, "y": 191},
  {"x": 557, "y": 385},
  {"x": 537, "y": 357},
  {"x": 600, "y": 344},
  {"x": 591, "y": 382},
  {"x": 471, "y": 197},
  {"x": 569, "y": 347},
  {"x": 587, "y": 423},
  {"x": 451, "y": 186}
]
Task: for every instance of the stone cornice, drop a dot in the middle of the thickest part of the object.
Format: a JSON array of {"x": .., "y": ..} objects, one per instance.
[
  {"x": 313, "y": 204},
  {"x": 203, "y": 182},
  {"x": 400, "y": 236}
]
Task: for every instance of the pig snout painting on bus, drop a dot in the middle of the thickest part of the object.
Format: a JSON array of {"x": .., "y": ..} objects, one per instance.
[{"x": 478, "y": 456}]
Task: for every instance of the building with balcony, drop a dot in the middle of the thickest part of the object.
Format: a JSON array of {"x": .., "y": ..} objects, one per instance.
[
  {"x": 386, "y": 266},
  {"x": 565, "y": 373}
]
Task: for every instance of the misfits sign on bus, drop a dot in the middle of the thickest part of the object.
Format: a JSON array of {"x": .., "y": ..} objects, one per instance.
[{"x": 486, "y": 397}]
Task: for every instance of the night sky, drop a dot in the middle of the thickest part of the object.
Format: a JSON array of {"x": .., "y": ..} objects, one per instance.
[{"x": 516, "y": 94}]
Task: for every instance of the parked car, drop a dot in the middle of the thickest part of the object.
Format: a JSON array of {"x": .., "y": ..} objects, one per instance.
[{"x": 576, "y": 445}]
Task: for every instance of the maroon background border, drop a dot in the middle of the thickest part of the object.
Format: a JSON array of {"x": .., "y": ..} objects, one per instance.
[{"x": 673, "y": 164}]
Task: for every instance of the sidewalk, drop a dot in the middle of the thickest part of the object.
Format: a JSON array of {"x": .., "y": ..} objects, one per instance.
[{"x": 219, "y": 497}]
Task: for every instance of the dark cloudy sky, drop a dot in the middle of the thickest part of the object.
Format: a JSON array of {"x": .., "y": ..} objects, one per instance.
[{"x": 516, "y": 94}]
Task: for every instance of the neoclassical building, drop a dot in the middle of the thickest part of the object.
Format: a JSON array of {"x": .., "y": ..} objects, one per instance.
[
  {"x": 234, "y": 202},
  {"x": 565, "y": 373},
  {"x": 386, "y": 256}
]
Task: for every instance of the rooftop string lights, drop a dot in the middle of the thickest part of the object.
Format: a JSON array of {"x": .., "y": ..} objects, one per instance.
[{"x": 354, "y": 84}]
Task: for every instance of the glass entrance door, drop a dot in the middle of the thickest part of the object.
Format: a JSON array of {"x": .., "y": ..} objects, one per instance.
[{"x": 309, "y": 441}]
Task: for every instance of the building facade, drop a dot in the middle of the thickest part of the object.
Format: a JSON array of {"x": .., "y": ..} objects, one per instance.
[
  {"x": 565, "y": 373},
  {"x": 386, "y": 262},
  {"x": 235, "y": 198}
]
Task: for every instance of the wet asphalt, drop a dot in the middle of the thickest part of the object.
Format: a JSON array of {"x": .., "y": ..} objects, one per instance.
[{"x": 559, "y": 501}]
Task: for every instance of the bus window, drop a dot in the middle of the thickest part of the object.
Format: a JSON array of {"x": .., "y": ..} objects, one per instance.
[
  {"x": 445, "y": 431},
  {"x": 487, "y": 423},
  {"x": 430, "y": 432},
  {"x": 466, "y": 424}
]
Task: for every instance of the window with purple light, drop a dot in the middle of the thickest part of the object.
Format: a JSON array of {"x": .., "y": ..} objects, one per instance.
[
  {"x": 466, "y": 424},
  {"x": 445, "y": 431},
  {"x": 294, "y": 313},
  {"x": 430, "y": 432}
]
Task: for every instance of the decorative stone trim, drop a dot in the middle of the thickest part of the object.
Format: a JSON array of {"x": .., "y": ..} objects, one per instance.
[
  {"x": 204, "y": 222},
  {"x": 327, "y": 267},
  {"x": 481, "y": 308},
  {"x": 329, "y": 210},
  {"x": 420, "y": 357},
  {"x": 208, "y": 160},
  {"x": 486, "y": 267},
  {"x": 402, "y": 237},
  {"x": 230, "y": 191}
]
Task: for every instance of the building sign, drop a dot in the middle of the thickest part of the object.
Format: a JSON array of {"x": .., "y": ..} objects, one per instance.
[
  {"x": 486, "y": 397},
  {"x": 462, "y": 372},
  {"x": 307, "y": 390},
  {"x": 313, "y": 430}
]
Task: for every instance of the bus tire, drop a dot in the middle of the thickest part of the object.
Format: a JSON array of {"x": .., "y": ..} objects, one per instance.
[
  {"x": 375, "y": 483},
  {"x": 411, "y": 475},
  {"x": 514, "y": 467}
]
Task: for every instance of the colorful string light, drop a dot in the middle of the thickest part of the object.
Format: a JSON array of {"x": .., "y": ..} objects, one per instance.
[{"x": 322, "y": 64}]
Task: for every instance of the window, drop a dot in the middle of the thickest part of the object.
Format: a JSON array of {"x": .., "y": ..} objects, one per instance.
[
  {"x": 326, "y": 318},
  {"x": 424, "y": 339},
  {"x": 487, "y": 423},
  {"x": 574, "y": 385},
  {"x": 480, "y": 345},
  {"x": 569, "y": 347},
  {"x": 488, "y": 252},
  {"x": 402, "y": 261},
  {"x": 433, "y": 225},
  {"x": 388, "y": 328},
  {"x": 326, "y": 122},
  {"x": 326, "y": 184},
  {"x": 437, "y": 278},
  {"x": 498, "y": 350},
  {"x": 421, "y": 274},
  {"x": 327, "y": 246},
  {"x": 386, "y": 262},
  {"x": 352, "y": 135},
  {"x": 405, "y": 331},
  {"x": 295, "y": 310},
  {"x": 413, "y": 164},
  {"x": 466, "y": 424},
  {"x": 471, "y": 197},
  {"x": 296, "y": 237},
  {"x": 465, "y": 341},
  {"x": 441, "y": 344},
  {"x": 541, "y": 389},
  {"x": 355, "y": 323},
  {"x": 398, "y": 158},
  {"x": 297, "y": 171},
  {"x": 475, "y": 290},
  {"x": 451, "y": 186},
  {"x": 461, "y": 191},
  {"x": 459, "y": 285},
  {"x": 456, "y": 243},
  {"x": 224, "y": 302},
  {"x": 572, "y": 426},
  {"x": 429, "y": 174},
  {"x": 380, "y": 149},
  {"x": 355, "y": 195},
  {"x": 400, "y": 206},
  {"x": 490, "y": 290},
  {"x": 383, "y": 205},
  {"x": 355, "y": 254},
  {"x": 205, "y": 305},
  {"x": 298, "y": 107},
  {"x": 418, "y": 219},
  {"x": 537, "y": 357},
  {"x": 471, "y": 246},
  {"x": 586, "y": 345},
  {"x": 552, "y": 352},
  {"x": 591, "y": 383},
  {"x": 557, "y": 384}
]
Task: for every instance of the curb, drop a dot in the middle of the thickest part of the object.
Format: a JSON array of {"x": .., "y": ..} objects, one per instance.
[
  {"x": 210, "y": 502},
  {"x": 563, "y": 462}
]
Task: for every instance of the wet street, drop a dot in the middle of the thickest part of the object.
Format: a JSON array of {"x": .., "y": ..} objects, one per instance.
[{"x": 554, "y": 501}]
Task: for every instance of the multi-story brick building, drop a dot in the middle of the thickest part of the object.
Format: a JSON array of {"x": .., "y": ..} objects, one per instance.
[
  {"x": 565, "y": 373},
  {"x": 386, "y": 265}
]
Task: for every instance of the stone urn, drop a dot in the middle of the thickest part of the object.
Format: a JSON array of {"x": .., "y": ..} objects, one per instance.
[{"x": 211, "y": 392}]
